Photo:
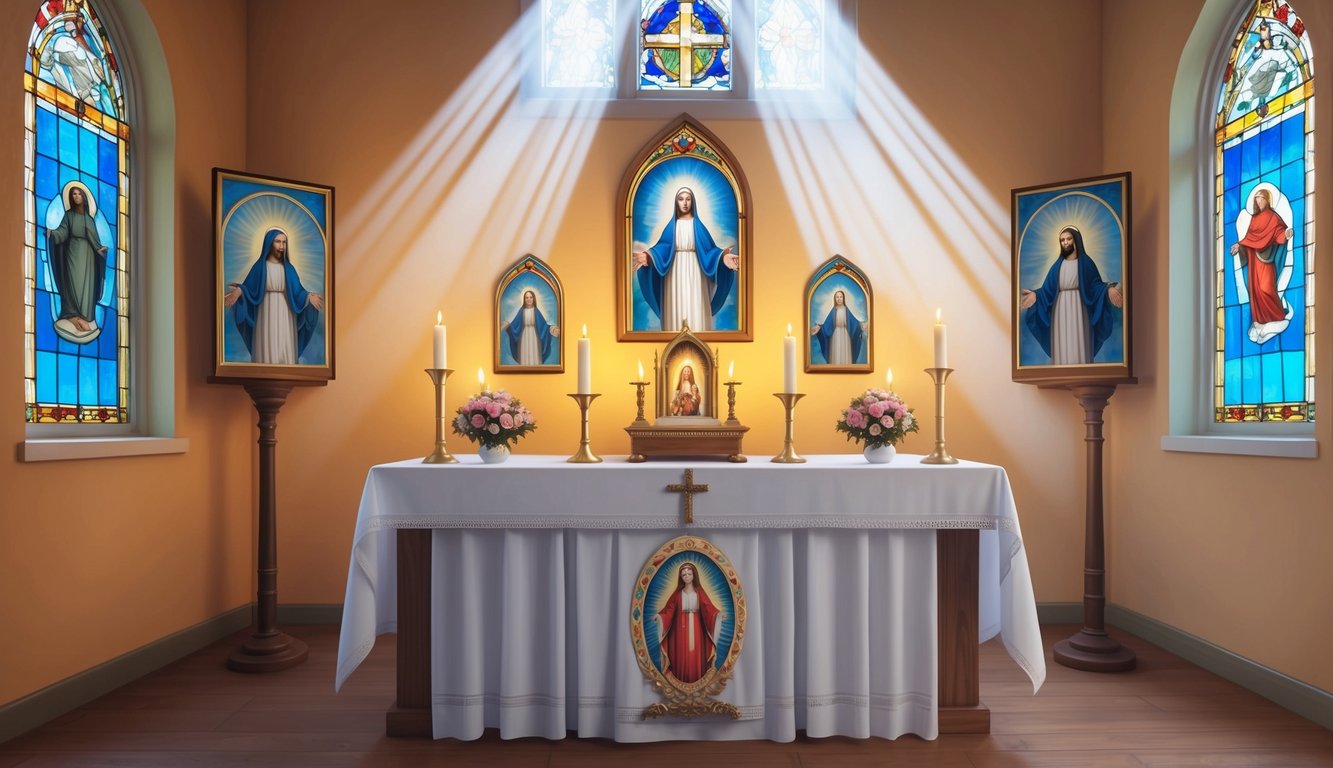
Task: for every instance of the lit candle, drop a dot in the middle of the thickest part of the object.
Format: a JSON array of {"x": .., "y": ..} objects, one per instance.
[
  {"x": 941, "y": 342},
  {"x": 888, "y": 380},
  {"x": 640, "y": 371},
  {"x": 585, "y": 363},
  {"x": 481, "y": 379},
  {"x": 439, "y": 358},
  {"x": 789, "y": 362},
  {"x": 731, "y": 371}
]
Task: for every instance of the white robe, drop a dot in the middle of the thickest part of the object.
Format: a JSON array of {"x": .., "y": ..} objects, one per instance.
[
  {"x": 529, "y": 347},
  {"x": 1069, "y": 320},
  {"x": 686, "y": 291},
  {"x": 275, "y": 324},
  {"x": 840, "y": 342}
]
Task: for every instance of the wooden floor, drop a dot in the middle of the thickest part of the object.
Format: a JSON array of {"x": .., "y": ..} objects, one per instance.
[{"x": 196, "y": 713}]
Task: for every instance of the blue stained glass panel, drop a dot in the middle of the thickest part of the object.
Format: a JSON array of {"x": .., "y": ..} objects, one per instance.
[
  {"x": 1298, "y": 222},
  {"x": 1294, "y": 337},
  {"x": 1249, "y": 159},
  {"x": 660, "y": 64},
  {"x": 46, "y": 332},
  {"x": 1293, "y": 182},
  {"x": 66, "y": 347},
  {"x": 47, "y": 185},
  {"x": 1231, "y": 383},
  {"x": 1293, "y": 138},
  {"x": 87, "y": 381},
  {"x": 1231, "y": 165},
  {"x": 46, "y": 133},
  {"x": 1229, "y": 296},
  {"x": 107, "y": 341},
  {"x": 46, "y": 377},
  {"x": 1235, "y": 329},
  {"x": 67, "y": 134},
  {"x": 1249, "y": 379},
  {"x": 88, "y": 150},
  {"x": 1272, "y": 377},
  {"x": 106, "y": 382},
  {"x": 67, "y": 377},
  {"x": 1270, "y": 148},
  {"x": 108, "y": 164},
  {"x": 1293, "y": 376}
]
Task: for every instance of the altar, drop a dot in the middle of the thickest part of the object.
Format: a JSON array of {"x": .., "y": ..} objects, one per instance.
[{"x": 869, "y": 589}]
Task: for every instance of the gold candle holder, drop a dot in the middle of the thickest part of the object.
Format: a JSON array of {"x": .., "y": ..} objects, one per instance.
[
  {"x": 439, "y": 376},
  {"x": 584, "y": 454},
  {"x": 731, "y": 401},
  {"x": 639, "y": 421},
  {"x": 789, "y": 454},
  {"x": 940, "y": 455}
]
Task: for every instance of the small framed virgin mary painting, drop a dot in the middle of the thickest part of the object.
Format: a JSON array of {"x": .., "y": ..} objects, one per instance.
[
  {"x": 529, "y": 315},
  {"x": 838, "y": 309}
]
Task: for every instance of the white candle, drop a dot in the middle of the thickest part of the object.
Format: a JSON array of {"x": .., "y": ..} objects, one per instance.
[
  {"x": 585, "y": 363},
  {"x": 941, "y": 343},
  {"x": 481, "y": 379},
  {"x": 440, "y": 358},
  {"x": 789, "y": 362},
  {"x": 640, "y": 371},
  {"x": 888, "y": 380}
]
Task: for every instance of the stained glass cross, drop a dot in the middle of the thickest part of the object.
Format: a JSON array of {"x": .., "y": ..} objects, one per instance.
[{"x": 686, "y": 40}]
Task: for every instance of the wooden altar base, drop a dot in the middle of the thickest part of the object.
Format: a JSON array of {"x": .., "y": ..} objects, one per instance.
[{"x": 721, "y": 441}]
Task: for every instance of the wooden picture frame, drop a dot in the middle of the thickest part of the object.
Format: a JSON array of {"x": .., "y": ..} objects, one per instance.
[
  {"x": 270, "y": 228},
  {"x": 684, "y": 157},
  {"x": 827, "y": 349},
  {"x": 529, "y": 276},
  {"x": 1081, "y": 228}
]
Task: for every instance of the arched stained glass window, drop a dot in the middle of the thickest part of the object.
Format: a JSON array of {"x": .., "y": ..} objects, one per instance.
[
  {"x": 685, "y": 45},
  {"x": 76, "y": 233},
  {"x": 578, "y": 38},
  {"x": 1264, "y": 295},
  {"x": 789, "y": 38}
]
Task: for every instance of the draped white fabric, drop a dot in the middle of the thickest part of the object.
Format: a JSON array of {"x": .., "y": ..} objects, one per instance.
[{"x": 531, "y": 589}]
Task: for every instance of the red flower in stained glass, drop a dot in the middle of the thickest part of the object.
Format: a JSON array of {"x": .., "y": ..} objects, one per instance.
[
  {"x": 1281, "y": 13},
  {"x": 1226, "y": 76},
  {"x": 55, "y": 6},
  {"x": 1237, "y": 413},
  {"x": 1298, "y": 28},
  {"x": 1286, "y": 409},
  {"x": 1263, "y": 109},
  {"x": 102, "y": 414}
]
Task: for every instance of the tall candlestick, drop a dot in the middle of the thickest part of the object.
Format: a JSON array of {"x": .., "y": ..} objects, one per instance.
[
  {"x": 789, "y": 362},
  {"x": 585, "y": 363},
  {"x": 941, "y": 342},
  {"x": 440, "y": 358}
]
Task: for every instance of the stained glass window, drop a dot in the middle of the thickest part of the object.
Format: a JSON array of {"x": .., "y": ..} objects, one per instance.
[
  {"x": 577, "y": 43},
  {"x": 1264, "y": 229},
  {"x": 684, "y": 45},
  {"x": 76, "y": 233},
  {"x": 789, "y": 44}
]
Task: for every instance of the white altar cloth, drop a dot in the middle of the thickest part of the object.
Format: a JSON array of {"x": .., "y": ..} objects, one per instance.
[{"x": 533, "y": 562}]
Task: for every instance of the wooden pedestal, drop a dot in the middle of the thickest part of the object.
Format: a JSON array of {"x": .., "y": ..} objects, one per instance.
[{"x": 722, "y": 441}]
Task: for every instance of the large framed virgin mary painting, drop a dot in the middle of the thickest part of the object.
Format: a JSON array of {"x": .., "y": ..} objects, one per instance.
[
  {"x": 684, "y": 254},
  {"x": 273, "y": 262},
  {"x": 1071, "y": 282},
  {"x": 529, "y": 313}
]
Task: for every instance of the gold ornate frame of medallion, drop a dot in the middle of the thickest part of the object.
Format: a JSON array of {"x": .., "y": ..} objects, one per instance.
[{"x": 720, "y": 589}]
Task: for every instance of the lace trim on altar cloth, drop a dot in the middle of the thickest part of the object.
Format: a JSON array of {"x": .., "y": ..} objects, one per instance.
[{"x": 378, "y": 523}]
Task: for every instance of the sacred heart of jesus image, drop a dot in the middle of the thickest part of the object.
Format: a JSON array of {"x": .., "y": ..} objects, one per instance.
[{"x": 687, "y": 619}]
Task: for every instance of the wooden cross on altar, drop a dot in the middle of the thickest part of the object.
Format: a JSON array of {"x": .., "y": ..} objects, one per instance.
[
  {"x": 689, "y": 489},
  {"x": 686, "y": 40}
]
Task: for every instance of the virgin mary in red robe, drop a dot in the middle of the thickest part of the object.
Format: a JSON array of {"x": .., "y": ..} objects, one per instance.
[
  {"x": 1262, "y": 244},
  {"x": 689, "y": 618}
]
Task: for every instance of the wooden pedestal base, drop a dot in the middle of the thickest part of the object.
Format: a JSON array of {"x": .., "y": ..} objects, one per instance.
[
  {"x": 1093, "y": 652},
  {"x": 722, "y": 441},
  {"x": 272, "y": 653}
]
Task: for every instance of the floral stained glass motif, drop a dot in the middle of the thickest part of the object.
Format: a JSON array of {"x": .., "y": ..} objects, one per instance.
[
  {"x": 577, "y": 49},
  {"x": 684, "y": 45},
  {"x": 76, "y": 228},
  {"x": 789, "y": 44},
  {"x": 1264, "y": 233}
]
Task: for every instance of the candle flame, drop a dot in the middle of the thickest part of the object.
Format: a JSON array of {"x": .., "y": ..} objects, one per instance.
[
  {"x": 439, "y": 318},
  {"x": 640, "y": 370},
  {"x": 937, "y": 314},
  {"x": 788, "y": 329},
  {"x": 889, "y": 377},
  {"x": 481, "y": 377},
  {"x": 585, "y": 330},
  {"x": 731, "y": 370}
]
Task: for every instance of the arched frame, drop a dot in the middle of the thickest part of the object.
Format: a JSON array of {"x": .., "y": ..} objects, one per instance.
[
  {"x": 530, "y": 274},
  {"x": 839, "y": 274}
]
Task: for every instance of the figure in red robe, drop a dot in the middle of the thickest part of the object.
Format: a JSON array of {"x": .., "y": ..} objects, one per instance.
[
  {"x": 689, "y": 628},
  {"x": 1261, "y": 245}
]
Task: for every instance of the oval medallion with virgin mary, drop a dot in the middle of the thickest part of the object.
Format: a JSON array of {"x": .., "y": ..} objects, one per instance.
[{"x": 687, "y": 619}]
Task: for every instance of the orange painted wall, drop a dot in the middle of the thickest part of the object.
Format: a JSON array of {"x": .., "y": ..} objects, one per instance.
[
  {"x": 99, "y": 558},
  {"x": 1232, "y": 549}
]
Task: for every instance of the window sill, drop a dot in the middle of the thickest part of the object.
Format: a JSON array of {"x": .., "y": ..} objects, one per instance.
[
  {"x": 1280, "y": 447},
  {"x": 62, "y": 449}
]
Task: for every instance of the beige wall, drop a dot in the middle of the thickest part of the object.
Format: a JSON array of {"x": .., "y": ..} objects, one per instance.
[
  {"x": 99, "y": 558},
  {"x": 443, "y": 180},
  {"x": 1231, "y": 549}
]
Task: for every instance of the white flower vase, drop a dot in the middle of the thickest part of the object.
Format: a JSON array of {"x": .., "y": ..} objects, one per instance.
[
  {"x": 880, "y": 454},
  {"x": 493, "y": 454}
]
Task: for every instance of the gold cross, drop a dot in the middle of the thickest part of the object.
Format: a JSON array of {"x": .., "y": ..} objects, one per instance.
[
  {"x": 689, "y": 489},
  {"x": 685, "y": 41}
]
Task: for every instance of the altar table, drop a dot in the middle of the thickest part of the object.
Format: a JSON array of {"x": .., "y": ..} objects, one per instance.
[{"x": 869, "y": 588}]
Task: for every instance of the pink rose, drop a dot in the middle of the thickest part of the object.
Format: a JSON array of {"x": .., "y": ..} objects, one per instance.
[
  {"x": 493, "y": 409},
  {"x": 875, "y": 430},
  {"x": 876, "y": 410},
  {"x": 899, "y": 414},
  {"x": 869, "y": 400},
  {"x": 478, "y": 420},
  {"x": 506, "y": 421},
  {"x": 887, "y": 422},
  {"x": 494, "y": 429},
  {"x": 471, "y": 405},
  {"x": 854, "y": 419},
  {"x": 503, "y": 397}
]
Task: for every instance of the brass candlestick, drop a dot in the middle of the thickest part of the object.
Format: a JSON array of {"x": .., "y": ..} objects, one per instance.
[
  {"x": 441, "y": 454},
  {"x": 584, "y": 454},
  {"x": 731, "y": 401},
  {"x": 940, "y": 455},
  {"x": 640, "y": 421},
  {"x": 789, "y": 454}
]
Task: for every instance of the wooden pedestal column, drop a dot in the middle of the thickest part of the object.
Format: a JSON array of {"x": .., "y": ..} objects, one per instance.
[
  {"x": 268, "y": 650},
  {"x": 1093, "y": 650}
]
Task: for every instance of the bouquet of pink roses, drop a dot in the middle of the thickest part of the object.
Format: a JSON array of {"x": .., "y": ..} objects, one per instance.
[
  {"x": 493, "y": 419},
  {"x": 877, "y": 418}
]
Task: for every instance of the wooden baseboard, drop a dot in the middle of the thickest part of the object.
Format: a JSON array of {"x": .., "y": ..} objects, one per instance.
[
  {"x": 1060, "y": 613},
  {"x": 974, "y": 719}
]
